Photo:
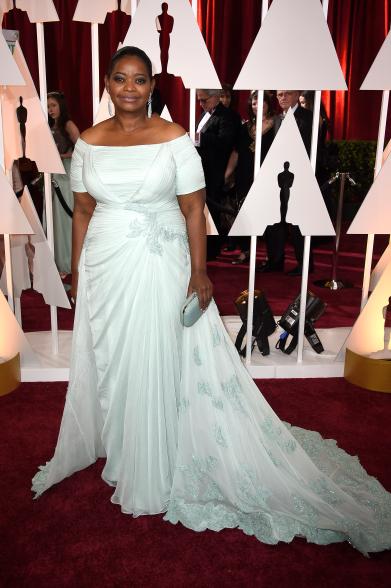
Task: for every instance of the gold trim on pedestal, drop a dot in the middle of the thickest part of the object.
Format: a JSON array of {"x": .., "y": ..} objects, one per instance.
[
  {"x": 9, "y": 375},
  {"x": 366, "y": 372}
]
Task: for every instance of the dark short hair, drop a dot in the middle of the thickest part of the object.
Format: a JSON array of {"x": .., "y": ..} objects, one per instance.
[{"x": 130, "y": 51}]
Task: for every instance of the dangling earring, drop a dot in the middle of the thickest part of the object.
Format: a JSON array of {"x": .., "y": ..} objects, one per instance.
[
  {"x": 150, "y": 105},
  {"x": 109, "y": 108}
]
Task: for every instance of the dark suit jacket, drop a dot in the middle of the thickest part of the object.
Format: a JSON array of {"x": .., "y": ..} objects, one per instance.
[
  {"x": 303, "y": 118},
  {"x": 217, "y": 139}
]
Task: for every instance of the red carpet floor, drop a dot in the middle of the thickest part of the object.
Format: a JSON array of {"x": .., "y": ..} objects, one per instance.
[{"x": 74, "y": 537}]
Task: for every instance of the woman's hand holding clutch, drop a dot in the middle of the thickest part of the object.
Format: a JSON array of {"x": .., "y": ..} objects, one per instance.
[{"x": 201, "y": 284}]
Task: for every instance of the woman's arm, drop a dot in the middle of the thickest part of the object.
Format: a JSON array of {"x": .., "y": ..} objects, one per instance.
[
  {"x": 73, "y": 134},
  {"x": 72, "y": 130},
  {"x": 192, "y": 207},
  {"x": 82, "y": 211}
]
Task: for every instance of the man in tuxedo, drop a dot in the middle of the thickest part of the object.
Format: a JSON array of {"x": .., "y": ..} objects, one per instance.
[
  {"x": 216, "y": 133},
  {"x": 276, "y": 235}
]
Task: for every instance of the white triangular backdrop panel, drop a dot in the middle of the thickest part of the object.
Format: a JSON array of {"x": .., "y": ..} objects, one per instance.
[
  {"x": 40, "y": 145},
  {"x": 5, "y": 6},
  {"x": 94, "y": 12},
  {"x": 42, "y": 11},
  {"x": 20, "y": 267},
  {"x": 166, "y": 114},
  {"x": 103, "y": 108},
  {"x": 188, "y": 55},
  {"x": 288, "y": 53},
  {"x": 379, "y": 75},
  {"x": 12, "y": 218},
  {"x": 306, "y": 206},
  {"x": 374, "y": 214},
  {"x": 46, "y": 278},
  {"x": 9, "y": 71}
]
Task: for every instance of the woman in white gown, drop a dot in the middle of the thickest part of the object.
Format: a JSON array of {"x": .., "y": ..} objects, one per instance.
[{"x": 182, "y": 426}]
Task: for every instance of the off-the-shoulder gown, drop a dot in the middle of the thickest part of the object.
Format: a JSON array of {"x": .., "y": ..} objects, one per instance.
[{"x": 182, "y": 426}]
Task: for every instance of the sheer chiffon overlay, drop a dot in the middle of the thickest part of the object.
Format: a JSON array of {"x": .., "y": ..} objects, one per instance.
[{"x": 183, "y": 428}]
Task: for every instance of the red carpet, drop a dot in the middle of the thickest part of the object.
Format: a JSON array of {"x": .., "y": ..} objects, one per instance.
[
  {"x": 74, "y": 537},
  {"x": 342, "y": 306}
]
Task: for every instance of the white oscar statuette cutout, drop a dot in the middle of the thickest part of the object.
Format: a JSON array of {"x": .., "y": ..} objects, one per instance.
[
  {"x": 277, "y": 58},
  {"x": 188, "y": 55},
  {"x": 40, "y": 145},
  {"x": 306, "y": 207}
]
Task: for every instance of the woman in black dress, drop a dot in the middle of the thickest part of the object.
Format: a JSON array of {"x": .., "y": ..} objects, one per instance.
[{"x": 240, "y": 168}]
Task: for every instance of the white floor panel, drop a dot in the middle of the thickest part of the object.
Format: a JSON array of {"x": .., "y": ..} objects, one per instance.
[{"x": 49, "y": 367}]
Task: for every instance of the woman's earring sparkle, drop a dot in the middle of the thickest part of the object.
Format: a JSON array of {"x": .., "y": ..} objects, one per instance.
[{"x": 150, "y": 105}]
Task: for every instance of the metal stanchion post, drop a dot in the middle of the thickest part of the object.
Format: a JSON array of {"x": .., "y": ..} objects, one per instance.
[{"x": 334, "y": 283}]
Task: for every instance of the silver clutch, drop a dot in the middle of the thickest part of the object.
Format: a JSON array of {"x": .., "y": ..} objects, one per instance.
[{"x": 190, "y": 311}]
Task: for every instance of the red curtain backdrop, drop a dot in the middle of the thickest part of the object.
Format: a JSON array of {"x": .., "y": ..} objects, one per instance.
[{"x": 358, "y": 28}]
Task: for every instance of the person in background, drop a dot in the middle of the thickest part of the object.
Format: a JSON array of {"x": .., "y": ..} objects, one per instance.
[
  {"x": 240, "y": 168},
  {"x": 215, "y": 139},
  {"x": 65, "y": 134},
  {"x": 227, "y": 99},
  {"x": 306, "y": 100}
]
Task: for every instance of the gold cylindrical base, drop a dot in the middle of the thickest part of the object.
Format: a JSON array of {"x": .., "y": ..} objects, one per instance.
[
  {"x": 9, "y": 375},
  {"x": 366, "y": 372}
]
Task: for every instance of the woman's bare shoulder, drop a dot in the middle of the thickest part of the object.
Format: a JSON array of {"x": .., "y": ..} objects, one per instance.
[
  {"x": 167, "y": 131},
  {"x": 94, "y": 135}
]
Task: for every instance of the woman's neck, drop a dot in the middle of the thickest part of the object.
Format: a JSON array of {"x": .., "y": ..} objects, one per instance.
[{"x": 131, "y": 123}]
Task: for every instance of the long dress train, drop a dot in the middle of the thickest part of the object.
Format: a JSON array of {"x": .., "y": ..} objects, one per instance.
[{"x": 183, "y": 427}]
